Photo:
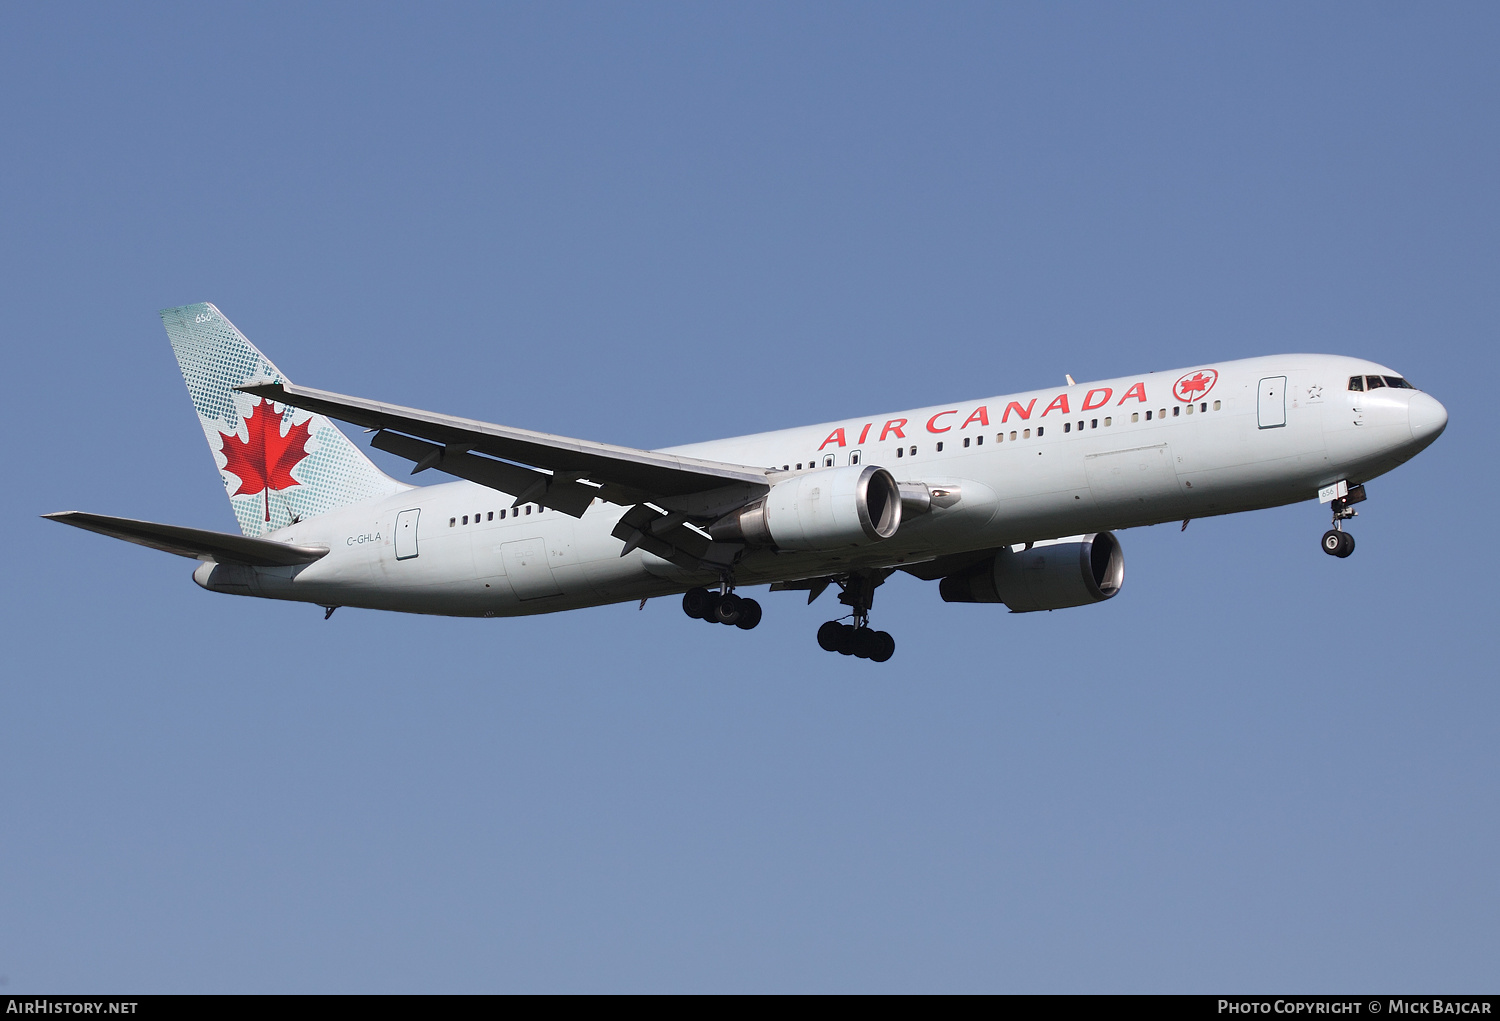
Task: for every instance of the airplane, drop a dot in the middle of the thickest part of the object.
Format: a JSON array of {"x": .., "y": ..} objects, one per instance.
[{"x": 1011, "y": 500}]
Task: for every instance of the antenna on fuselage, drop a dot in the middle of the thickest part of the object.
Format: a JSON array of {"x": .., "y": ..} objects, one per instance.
[{"x": 1069, "y": 379}]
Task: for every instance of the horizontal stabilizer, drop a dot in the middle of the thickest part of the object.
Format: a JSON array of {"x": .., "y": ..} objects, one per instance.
[{"x": 197, "y": 543}]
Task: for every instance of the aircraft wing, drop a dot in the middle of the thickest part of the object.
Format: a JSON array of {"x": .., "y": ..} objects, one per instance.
[
  {"x": 196, "y": 543},
  {"x": 536, "y": 467}
]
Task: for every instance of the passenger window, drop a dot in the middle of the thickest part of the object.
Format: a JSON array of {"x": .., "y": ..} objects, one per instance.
[
  {"x": 1357, "y": 384},
  {"x": 1080, "y": 427},
  {"x": 979, "y": 441},
  {"x": 1189, "y": 409},
  {"x": 1162, "y": 413},
  {"x": 1216, "y": 405},
  {"x": 786, "y": 467},
  {"x": 490, "y": 516},
  {"x": 913, "y": 451},
  {"x": 940, "y": 446},
  {"x": 799, "y": 465},
  {"x": 466, "y": 519},
  {"x": 502, "y": 514},
  {"x": 1203, "y": 407},
  {"x": 1025, "y": 434},
  {"x": 1067, "y": 427},
  {"x": 452, "y": 522},
  {"x": 1148, "y": 416},
  {"x": 1040, "y": 429},
  {"x": 966, "y": 441},
  {"x": 528, "y": 508},
  {"x": 1373, "y": 382},
  {"x": 1093, "y": 423},
  {"x": 854, "y": 458},
  {"x": 1176, "y": 411},
  {"x": 1109, "y": 421},
  {"x": 828, "y": 461},
  {"x": 900, "y": 451}
]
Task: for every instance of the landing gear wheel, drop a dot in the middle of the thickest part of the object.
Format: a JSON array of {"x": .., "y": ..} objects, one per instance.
[
  {"x": 696, "y": 603},
  {"x": 728, "y": 610},
  {"x": 862, "y": 643},
  {"x": 884, "y": 647},
  {"x": 750, "y": 613},
  {"x": 829, "y": 636},
  {"x": 1337, "y": 543}
]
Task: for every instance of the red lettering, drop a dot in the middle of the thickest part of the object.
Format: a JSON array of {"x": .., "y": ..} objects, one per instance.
[
  {"x": 981, "y": 415},
  {"x": 837, "y": 434},
  {"x": 1138, "y": 392},
  {"x": 931, "y": 422},
  {"x": 894, "y": 426},
  {"x": 1021, "y": 412},
  {"x": 1061, "y": 404},
  {"x": 865, "y": 431},
  {"x": 1089, "y": 404}
]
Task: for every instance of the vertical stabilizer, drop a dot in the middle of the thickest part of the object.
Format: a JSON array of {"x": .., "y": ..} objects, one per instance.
[{"x": 278, "y": 464}]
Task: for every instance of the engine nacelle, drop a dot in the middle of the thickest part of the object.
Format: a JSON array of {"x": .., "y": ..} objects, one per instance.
[
  {"x": 822, "y": 510},
  {"x": 1048, "y": 576}
]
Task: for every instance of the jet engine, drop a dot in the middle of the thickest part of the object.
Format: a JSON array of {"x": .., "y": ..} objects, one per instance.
[
  {"x": 1050, "y": 575},
  {"x": 821, "y": 510}
]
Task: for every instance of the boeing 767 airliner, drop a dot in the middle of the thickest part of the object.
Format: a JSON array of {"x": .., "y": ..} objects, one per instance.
[{"x": 1006, "y": 499}]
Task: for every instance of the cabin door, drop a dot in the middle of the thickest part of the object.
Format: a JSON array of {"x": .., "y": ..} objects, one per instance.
[
  {"x": 406, "y": 534},
  {"x": 1272, "y": 403}
]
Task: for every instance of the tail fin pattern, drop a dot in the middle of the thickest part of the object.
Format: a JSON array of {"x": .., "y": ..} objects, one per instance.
[{"x": 278, "y": 464}]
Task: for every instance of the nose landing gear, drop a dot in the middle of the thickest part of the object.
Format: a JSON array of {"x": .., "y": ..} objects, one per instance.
[
  {"x": 857, "y": 639},
  {"x": 723, "y": 607},
  {"x": 1336, "y": 541}
]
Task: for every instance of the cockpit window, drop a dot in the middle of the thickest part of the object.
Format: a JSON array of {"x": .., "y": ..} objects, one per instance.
[
  {"x": 1374, "y": 382},
  {"x": 1357, "y": 383},
  {"x": 1398, "y": 383}
]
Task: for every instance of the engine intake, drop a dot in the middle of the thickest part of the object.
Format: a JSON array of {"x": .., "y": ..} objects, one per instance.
[
  {"x": 825, "y": 509},
  {"x": 1049, "y": 576}
]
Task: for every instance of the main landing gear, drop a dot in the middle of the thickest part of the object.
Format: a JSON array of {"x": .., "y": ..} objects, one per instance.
[
  {"x": 722, "y": 607},
  {"x": 857, "y": 639},
  {"x": 1336, "y": 541}
]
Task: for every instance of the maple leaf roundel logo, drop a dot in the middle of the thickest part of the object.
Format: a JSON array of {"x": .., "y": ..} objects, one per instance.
[
  {"x": 265, "y": 461},
  {"x": 1195, "y": 385}
]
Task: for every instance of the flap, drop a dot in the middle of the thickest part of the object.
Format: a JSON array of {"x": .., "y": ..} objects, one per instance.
[{"x": 197, "y": 543}]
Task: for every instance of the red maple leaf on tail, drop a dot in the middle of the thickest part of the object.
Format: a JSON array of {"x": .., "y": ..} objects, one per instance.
[{"x": 266, "y": 460}]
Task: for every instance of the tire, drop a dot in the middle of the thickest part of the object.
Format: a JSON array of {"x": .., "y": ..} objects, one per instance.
[
  {"x": 885, "y": 647},
  {"x": 750, "y": 613},
  {"x": 829, "y": 636},
  {"x": 696, "y": 602},
  {"x": 1333, "y": 542},
  {"x": 728, "y": 609},
  {"x": 1346, "y": 547},
  {"x": 846, "y": 640},
  {"x": 862, "y": 643}
]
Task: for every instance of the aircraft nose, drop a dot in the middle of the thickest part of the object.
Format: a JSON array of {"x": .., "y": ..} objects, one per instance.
[{"x": 1427, "y": 416}]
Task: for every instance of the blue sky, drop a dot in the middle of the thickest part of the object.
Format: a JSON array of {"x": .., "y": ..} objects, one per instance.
[{"x": 1258, "y": 768}]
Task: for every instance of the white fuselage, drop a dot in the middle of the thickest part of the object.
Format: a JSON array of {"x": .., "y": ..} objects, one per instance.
[{"x": 1013, "y": 469}]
